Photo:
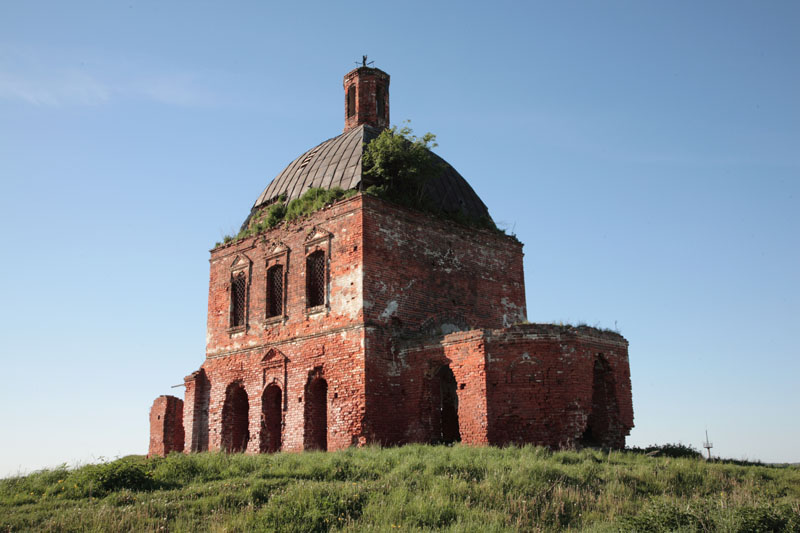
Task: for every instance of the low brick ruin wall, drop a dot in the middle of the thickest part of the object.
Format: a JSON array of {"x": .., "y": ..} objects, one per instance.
[{"x": 166, "y": 426}]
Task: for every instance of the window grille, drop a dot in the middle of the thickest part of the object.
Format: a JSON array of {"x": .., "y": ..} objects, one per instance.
[
  {"x": 275, "y": 291},
  {"x": 351, "y": 101},
  {"x": 315, "y": 279},
  {"x": 239, "y": 298}
]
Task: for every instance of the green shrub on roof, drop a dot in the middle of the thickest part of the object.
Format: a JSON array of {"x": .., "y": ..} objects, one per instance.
[{"x": 397, "y": 166}]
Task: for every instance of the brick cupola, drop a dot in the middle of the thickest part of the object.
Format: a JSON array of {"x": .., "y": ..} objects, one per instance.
[{"x": 366, "y": 98}]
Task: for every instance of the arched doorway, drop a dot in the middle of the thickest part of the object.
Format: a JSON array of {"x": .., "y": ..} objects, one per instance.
[
  {"x": 445, "y": 396},
  {"x": 316, "y": 415},
  {"x": 235, "y": 423},
  {"x": 271, "y": 419},
  {"x": 604, "y": 407}
]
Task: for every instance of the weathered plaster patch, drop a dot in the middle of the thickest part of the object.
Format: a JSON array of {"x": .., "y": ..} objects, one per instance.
[
  {"x": 449, "y": 328},
  {"x": 391, "y": 309},
  {"x": 393, "y": 236},
  {"x": 447, "y": 261},
  {"x": 512, "y": 313},
  {"x": 348, "y": 285}
]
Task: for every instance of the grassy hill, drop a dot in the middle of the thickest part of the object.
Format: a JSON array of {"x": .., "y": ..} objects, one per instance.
[{"x": 411, "y": 488}]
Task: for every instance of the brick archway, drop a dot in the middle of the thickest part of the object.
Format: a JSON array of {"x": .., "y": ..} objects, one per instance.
[
  {"x": 603, "y": 416},
  {"x": 316, "y": 414},
  {"x": 271, "y": 419},
  {"x": 235, "y": 422},
  {"x": 445, "y": 407}
]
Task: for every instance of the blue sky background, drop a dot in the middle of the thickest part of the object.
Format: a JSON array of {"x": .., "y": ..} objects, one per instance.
[{"x": 647, "y": 154}]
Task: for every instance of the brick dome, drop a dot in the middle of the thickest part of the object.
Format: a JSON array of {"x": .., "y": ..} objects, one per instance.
[{"x": 337, "y": 163}]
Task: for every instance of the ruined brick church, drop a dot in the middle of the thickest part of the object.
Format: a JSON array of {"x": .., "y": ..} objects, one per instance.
[{"x": 367, "y": 322}]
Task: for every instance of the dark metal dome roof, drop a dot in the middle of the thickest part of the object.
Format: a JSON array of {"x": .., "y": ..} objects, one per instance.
[{"x": 337, "y": 163}]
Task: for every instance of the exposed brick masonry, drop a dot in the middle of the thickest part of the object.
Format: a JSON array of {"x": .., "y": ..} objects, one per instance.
[
  {"x": 415, "y": 334},
  {"x": 166, "y": 426},
  {"x": 366, "y": 322},
  {"x": 364, "y": 88}
]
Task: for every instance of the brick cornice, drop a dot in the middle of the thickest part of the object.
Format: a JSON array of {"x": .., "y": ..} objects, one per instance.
[{"x": 297, "y": 339}]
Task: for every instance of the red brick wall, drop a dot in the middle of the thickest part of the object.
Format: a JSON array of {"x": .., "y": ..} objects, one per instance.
[
  {"x": 335, "y": 230},
  {"x": 462, "y": 353},
  {"x": 195, "y": 411},
  {"x": 166, "y": 426},
  {"x": 404, "y": 383},
  {"x": 465, "y": 353},
  {"x": 527, "y": 384},
  {"x": 285, "y": 351},
  {"x": 399, "y": 249},
  {"x": 290, "y": 365},
  {"x": 424, "y": 277},
  {"x": 420, "y": 270},
  {"x": 540, "y": 384}
]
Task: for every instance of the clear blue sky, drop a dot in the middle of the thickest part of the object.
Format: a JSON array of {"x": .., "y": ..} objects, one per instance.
[{"x": 647, "y": 154}]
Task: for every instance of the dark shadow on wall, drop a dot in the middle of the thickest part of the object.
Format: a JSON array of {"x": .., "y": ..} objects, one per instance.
[
  {"x": 271, "y": 419},
  {"x": 316, "y": 414},
  {"x": 202, "y": 398},
  {"x": 602, "y": 420},
  {"x": 445, "y": 407}
]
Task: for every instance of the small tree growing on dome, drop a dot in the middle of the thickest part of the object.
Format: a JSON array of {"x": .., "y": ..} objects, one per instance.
[{"x": 397, "y": 165}]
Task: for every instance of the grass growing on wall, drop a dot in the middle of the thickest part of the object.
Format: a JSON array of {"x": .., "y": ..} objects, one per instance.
[
  {"x": 279, "y": 211},
  {"x": 410, "y": 488}
]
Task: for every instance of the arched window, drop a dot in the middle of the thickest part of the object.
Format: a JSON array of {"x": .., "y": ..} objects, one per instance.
[
  {"x": 315, "y": 279},
  {"x": 275, "y": 291},
  {"x": 381, "y": 97},
  {"x": 238, "y": 299},
  {"x": 351, "y": 101}
]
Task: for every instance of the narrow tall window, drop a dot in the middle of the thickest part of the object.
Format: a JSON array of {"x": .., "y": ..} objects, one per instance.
[
  {"x": 351, "y": 101},
  {"x": 315, "y": 279},
  {"x": 275, "y": 291},
  {"x": 381, "y": 97},
  {"x": 238, "y": 299}
]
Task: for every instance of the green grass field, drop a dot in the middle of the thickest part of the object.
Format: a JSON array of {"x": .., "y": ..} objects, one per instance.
[{"x": 410, "y": 488}]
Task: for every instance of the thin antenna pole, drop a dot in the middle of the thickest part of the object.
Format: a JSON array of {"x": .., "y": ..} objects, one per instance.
[{"x": 708, "y": 445}]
